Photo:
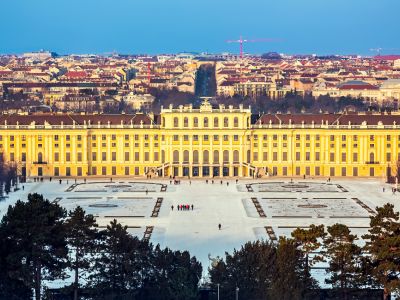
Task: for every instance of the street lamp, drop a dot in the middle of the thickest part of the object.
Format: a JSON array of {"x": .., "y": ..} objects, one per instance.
[
  {"x": 217, "y": 291},
  {"x": 237, "y": 293}
]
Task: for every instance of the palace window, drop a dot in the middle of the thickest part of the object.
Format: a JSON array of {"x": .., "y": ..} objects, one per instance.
[
  {"x": 205, "y": 122},
  {"x": 297, "y": 156},
  {"x": 226, "y": 122},
  {"x": 216, "y": 122}
]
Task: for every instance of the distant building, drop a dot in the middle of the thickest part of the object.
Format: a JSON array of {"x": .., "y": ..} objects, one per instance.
[
  {"x": 396, "y": 64},
  {"x": 41, "y": 55},
  {"x": 139, "y": 102},
  {"x": 388, "y": 91}
]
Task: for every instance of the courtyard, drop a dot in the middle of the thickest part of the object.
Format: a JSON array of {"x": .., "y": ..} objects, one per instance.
[{"x": 247, "y": 210}]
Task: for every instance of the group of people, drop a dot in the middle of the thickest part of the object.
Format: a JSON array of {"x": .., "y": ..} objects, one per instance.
[
  {"x": 176, "y": 181},
  {"x": 227, "y": 183},
  {"x": 183, "y": 207},
  {"x": 394, "y": 190}
]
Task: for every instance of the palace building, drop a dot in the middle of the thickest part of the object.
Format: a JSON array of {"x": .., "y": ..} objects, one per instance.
[{"x": 203, "y": 142}]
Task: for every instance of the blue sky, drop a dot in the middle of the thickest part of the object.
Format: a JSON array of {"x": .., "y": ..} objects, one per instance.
[{"x": 167, "y": 26}]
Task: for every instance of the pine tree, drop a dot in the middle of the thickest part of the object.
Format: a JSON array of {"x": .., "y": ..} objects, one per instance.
[
  {"x": 288, "y": 282},
  {"x": 172, "y": 275},
  {"x": 34, "y": 234},
  {"x": 82, "y": 238},
  {"x": 250, "y": 268},
  {"x": 10, "y": 288},
  {"x": 383, "y": 247},
  {"x": 344, "y": 258},
  {"x": 118, "y": 265},
  {"x": 308, "y": 241}
]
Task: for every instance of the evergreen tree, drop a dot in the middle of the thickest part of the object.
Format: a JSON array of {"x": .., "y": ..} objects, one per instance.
[
  {"x": 308, "y": 241},
  {"x": 118, "y": 265},
  {"x": 82, "y": 238},
  {"x": 288, "y": 282},
  {"x": 33, "y": 233},
  {"x": 383, "y": 247},
  {"x": 10, "y": 288},
  {"x": 344, "y": 258},
  {"x": 173, "y": 275},
  {"x": 251, "y": 269}
]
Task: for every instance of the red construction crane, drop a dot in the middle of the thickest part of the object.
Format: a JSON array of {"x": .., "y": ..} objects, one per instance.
[{"x": 241, "y": 41}]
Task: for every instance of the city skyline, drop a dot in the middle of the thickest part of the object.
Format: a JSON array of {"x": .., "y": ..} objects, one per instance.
[{"x": 155, "y": 27}]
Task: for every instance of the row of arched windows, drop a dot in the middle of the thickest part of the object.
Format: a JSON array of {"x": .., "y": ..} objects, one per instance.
[
  {"x": 206, "y": 156},
  {"x": 206, "y": 122}
]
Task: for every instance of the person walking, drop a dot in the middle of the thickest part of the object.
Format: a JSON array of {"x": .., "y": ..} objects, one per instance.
[
  {"x": 219, "y": 226},
  {"x": 192, "y": 206},
  {"x": 172, "y": 207}
]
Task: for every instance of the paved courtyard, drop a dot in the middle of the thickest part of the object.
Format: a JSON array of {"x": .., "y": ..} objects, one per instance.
[{"x": 248, "y": 210}]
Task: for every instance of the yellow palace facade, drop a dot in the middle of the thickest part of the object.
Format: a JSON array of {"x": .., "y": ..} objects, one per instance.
[{"x": 204, "y": 142}]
